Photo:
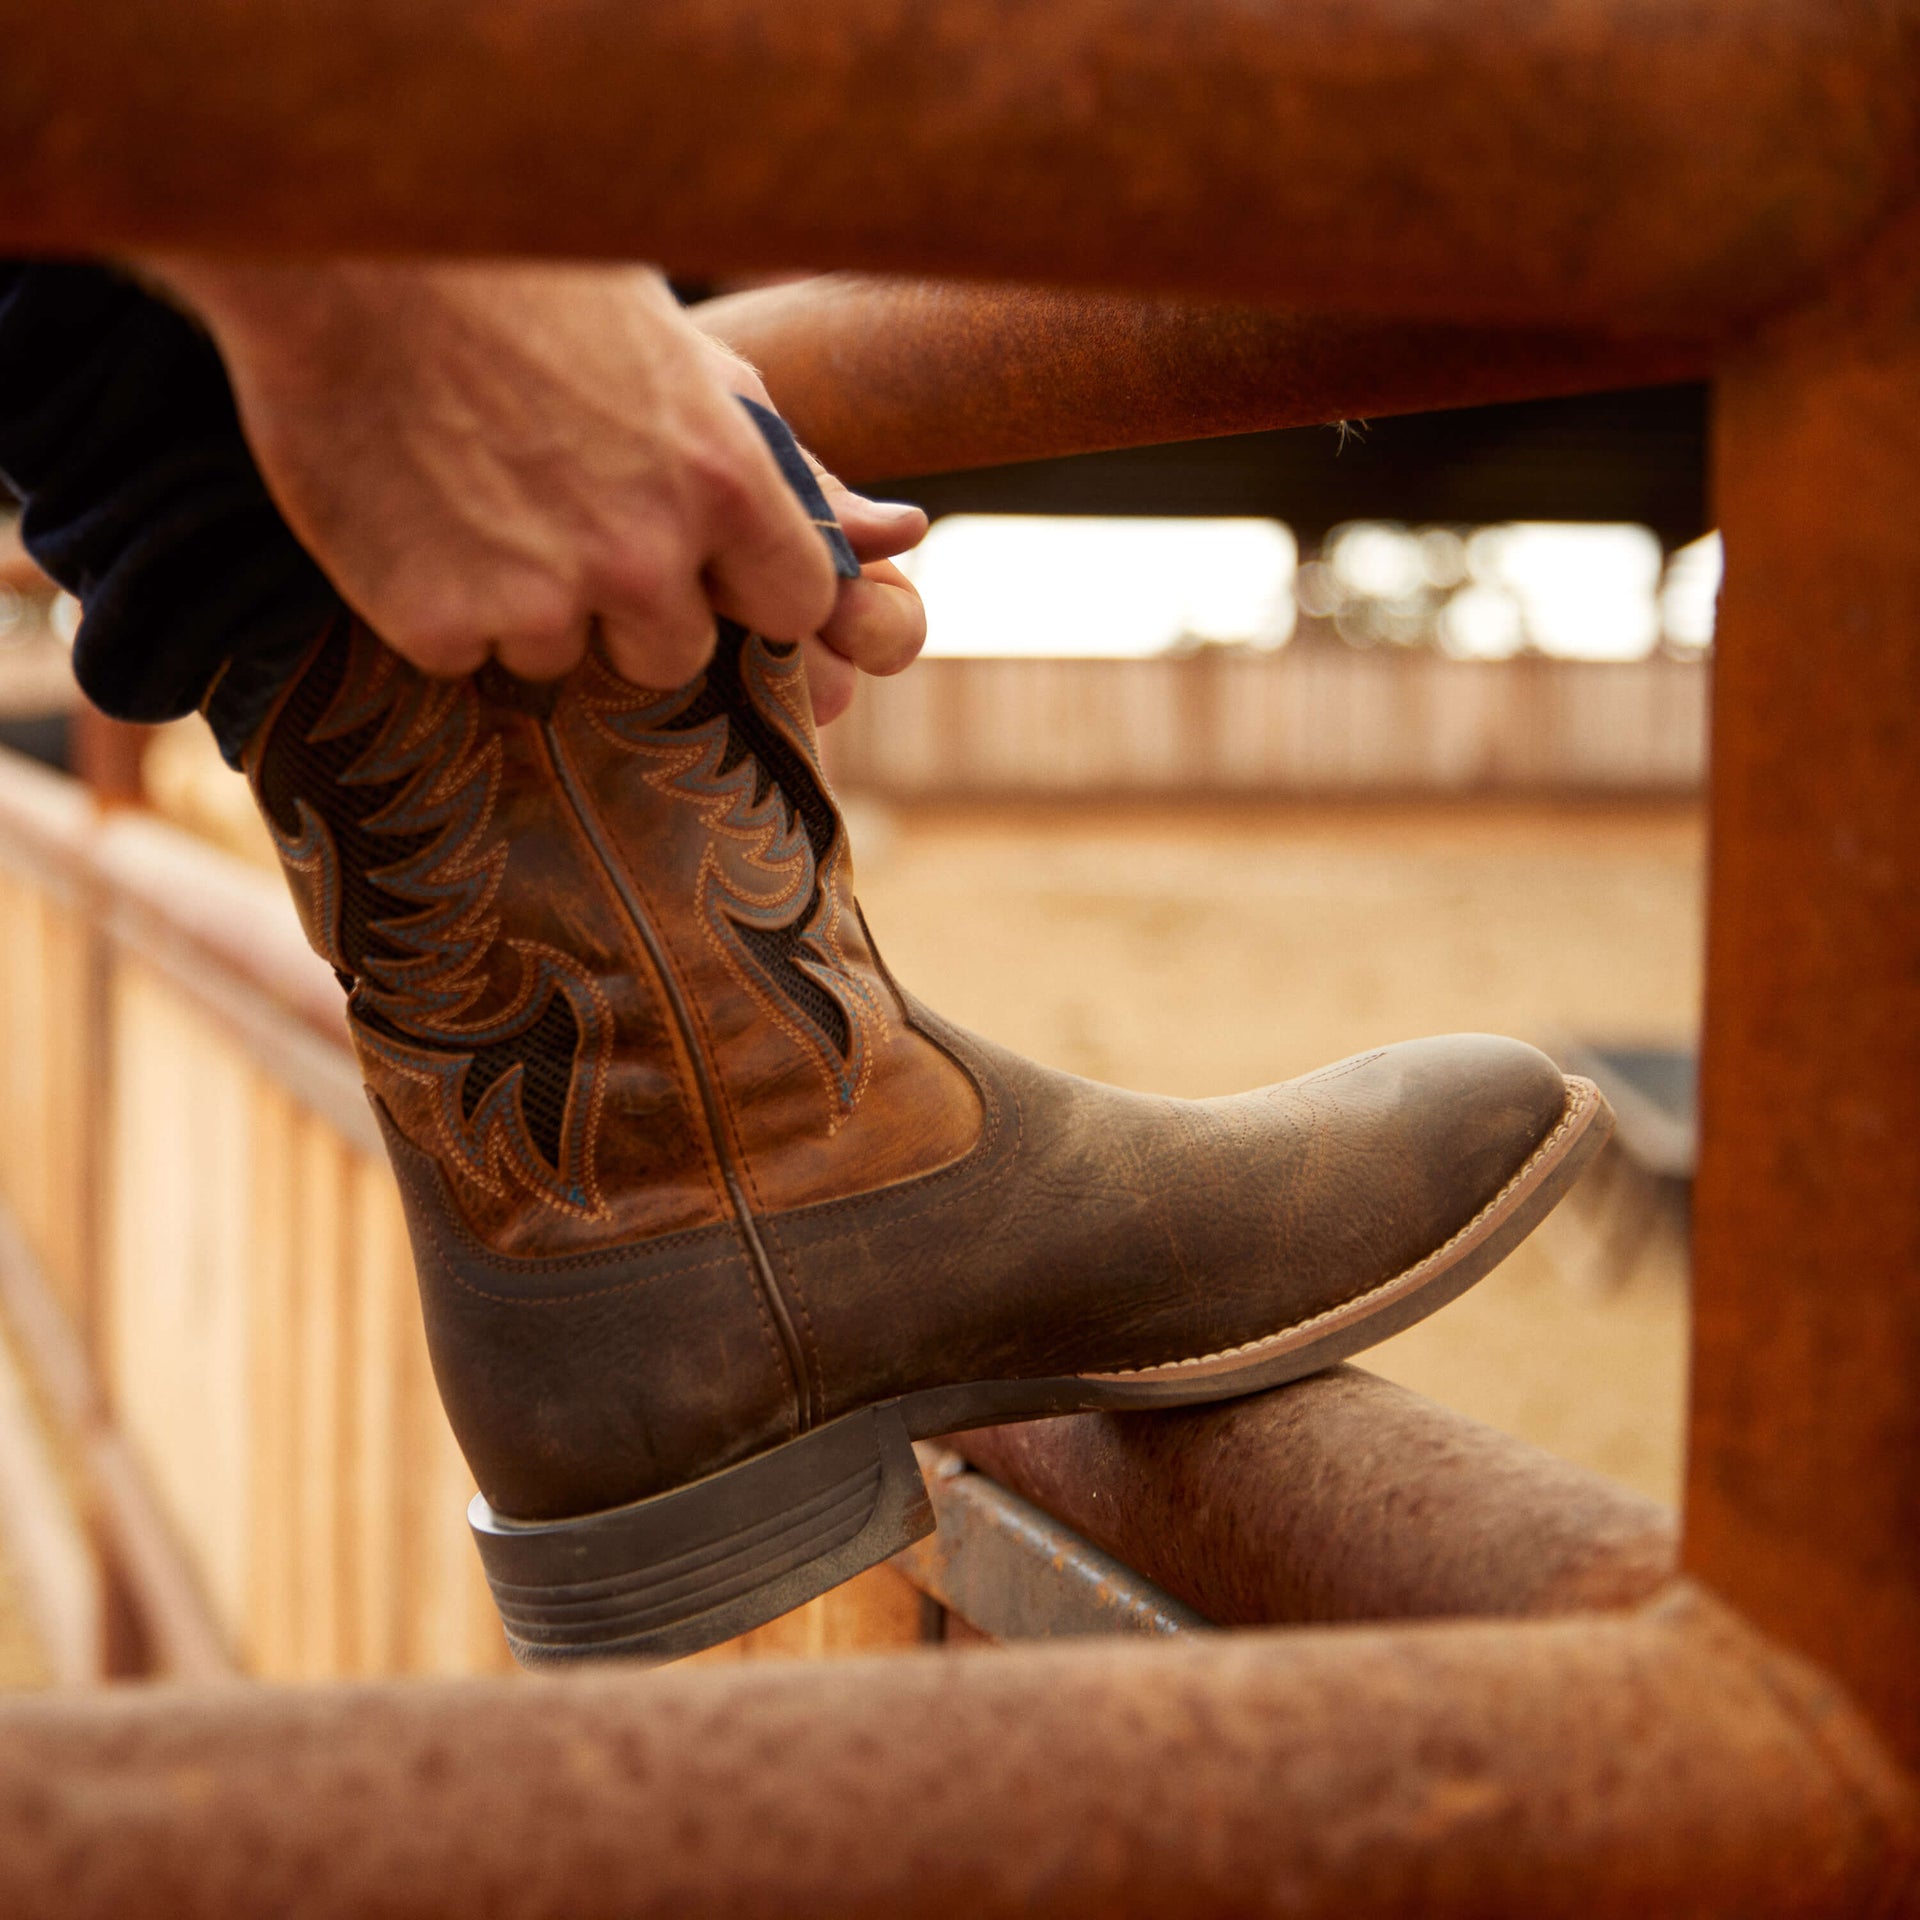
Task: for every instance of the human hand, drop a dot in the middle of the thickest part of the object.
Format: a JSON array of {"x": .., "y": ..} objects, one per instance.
[
  {"x": 878, "y": 624},
  {"x": 492, "y": 460}
]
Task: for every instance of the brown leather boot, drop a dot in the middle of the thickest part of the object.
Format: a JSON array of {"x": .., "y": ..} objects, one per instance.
[{"x": 712, "y": 1219}]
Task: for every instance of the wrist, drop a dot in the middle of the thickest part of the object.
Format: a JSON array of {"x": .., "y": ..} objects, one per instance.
[{"x": 242, "y": 303}]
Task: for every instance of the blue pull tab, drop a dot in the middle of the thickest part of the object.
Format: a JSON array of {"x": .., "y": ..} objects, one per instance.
[{"x": 801, "y": 478}]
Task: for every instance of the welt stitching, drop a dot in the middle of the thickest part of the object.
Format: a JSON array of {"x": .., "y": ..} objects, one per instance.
[
  {"x": 451, "y": 1226},
  {"x": 933, "y": 1201},
  {"x": 535, "y": 1264}
]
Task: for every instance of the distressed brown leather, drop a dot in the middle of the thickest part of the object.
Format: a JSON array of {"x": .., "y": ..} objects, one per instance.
[{"x": 774, "y": 1188}]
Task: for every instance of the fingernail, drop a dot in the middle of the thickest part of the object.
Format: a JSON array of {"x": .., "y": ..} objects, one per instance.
[{"x": 893, "y": 509}]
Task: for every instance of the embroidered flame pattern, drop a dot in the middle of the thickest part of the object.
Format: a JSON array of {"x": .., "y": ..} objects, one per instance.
[
  {"x": 379, "y": 786},
  {"x": 737, "y": 743}
]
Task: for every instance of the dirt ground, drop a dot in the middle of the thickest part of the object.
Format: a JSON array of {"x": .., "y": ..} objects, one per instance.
[{"x": 1196, "y": 951}]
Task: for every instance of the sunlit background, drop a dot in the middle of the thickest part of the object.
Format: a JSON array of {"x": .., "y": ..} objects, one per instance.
[{"x": 1026, "y": 585}]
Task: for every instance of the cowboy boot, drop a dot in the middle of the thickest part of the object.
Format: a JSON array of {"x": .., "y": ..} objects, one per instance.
[{"x": 712, "y": 1219}]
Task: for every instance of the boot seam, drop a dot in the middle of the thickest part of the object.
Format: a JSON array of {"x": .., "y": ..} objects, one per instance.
[
  {"x": 774, "y": 1314},
  {"x": 733, "y": 1150}
]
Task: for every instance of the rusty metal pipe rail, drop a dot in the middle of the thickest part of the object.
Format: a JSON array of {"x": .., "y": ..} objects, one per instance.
[
  {"x": 884, "y": 378},
  {"x": 1694, "y": 167},
  {"x": 1660, "y": 1763},
  {"x": 1343, "y": 1499},
  {"x": 1637, "y": 164}
]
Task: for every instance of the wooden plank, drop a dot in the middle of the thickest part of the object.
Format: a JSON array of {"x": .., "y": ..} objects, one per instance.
[
  {"x": 272, "y": 1641},
  {"x": 382, "y": 1307},
  {"x": 178, "y": 1164},
  {"x": 319, "y": 1273},
  {"x": 48, "y": 1551},
  {"x": 173, "y": 1630}
]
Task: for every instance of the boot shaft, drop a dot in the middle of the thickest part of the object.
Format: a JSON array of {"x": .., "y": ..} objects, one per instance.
[{"x": 604, "y": 963}]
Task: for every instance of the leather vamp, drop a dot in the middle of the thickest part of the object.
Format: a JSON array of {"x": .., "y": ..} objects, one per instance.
[{"x": 1098, "y": 1230}]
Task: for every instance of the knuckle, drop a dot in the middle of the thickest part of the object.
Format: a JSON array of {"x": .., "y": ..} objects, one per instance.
[
  {"x": 538, "y": 627},
  {"x": 435, "y": 641},
  {"x": 639, "y": 577},
  {"x": 659, "y": 653},
  {"x": 730, "y": 490}
]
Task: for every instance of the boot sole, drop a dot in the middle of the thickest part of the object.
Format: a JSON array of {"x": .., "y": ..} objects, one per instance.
[{"x": 683, "y": 1570}]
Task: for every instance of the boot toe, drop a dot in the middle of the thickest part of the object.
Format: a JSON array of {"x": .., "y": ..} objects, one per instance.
[{"x": 1415, "y": 1141}]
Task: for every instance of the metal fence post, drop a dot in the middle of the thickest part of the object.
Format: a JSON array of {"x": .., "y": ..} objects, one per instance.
[{"x": 1803, "y": 1503}]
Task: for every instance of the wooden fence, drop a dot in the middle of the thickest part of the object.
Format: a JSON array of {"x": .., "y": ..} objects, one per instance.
[{"x": 1318, "y": 718}]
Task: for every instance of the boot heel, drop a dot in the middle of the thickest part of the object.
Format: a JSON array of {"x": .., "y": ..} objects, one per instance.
[{"x": 684, "y": 1570}]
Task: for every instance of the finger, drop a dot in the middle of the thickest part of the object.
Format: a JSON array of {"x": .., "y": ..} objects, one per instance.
[
  {"x": 879, "y": 623},
  {"x": 768, "y": 567},
  {"x": 875, "y": 529},
  {"x": 830, "y": 681},
  {"x": 543, "y": 656},
  {"x": 433, "y": 632},
  {"x": 442, "y": 656},
  {"x": 539, "y": 633},
  {"x": 664, "y": 642}
]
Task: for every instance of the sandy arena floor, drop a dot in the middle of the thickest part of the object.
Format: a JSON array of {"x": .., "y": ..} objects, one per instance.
[{"x": 1198, "y": 951}]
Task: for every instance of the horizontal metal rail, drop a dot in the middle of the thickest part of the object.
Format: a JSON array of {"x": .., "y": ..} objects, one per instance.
[
  {"x": 884, "y": 378},
  {"x": 1639, "y": 164},
  {"x": 1658, "y": 1763},
  {"x": 1345, "y": 1498}
]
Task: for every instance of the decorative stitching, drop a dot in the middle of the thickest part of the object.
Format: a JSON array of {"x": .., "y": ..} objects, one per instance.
[
  {"x": 705, "y": 752},
  {"x": 380, "y": 789},
  {"x": 686, "y": 1009},
  {"x": 1340, "y": 1068}
]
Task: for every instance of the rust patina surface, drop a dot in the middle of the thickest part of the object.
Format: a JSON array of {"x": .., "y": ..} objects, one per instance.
[
  {"x": 1661, "y": 1763},
  {"x": 1345, "y": 1499},
  {"x": 1629, "y": 163},
  {"x": 1691, "y": 168},
  {"x": 1803, "y": 1496},
  {"x": 886, "y": 377}
]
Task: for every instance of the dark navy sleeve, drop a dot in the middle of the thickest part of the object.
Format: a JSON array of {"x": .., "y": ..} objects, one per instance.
[{"x": 119, "y": 435}]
